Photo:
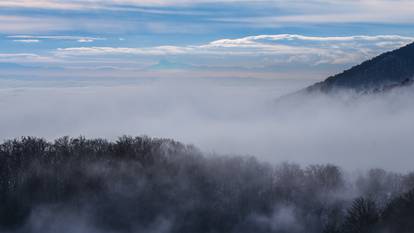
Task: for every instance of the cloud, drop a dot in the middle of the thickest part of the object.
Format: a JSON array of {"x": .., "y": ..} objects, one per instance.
[
  {"x": 25, "y": 58},
  {"x": 84, "y": 40},
  {"x": 329, "y": 12},
  {"x": 99, "y": 4},
  {"x": 284, "y": 55},
  {"x": 282, "y": 49},
  {"x": 229, "y": 116},
  {"x": 160, "y": 50},
  {"x": 301, "y": 11},
  {"x": 209, "y": 17},
  {"x": 80, "y": 39},
  {"x": 44, "y": 4},
  {"x": 27, "y": 41},
  {"x": 55, "y": 24},
  {"x": 10, "y": 24}
]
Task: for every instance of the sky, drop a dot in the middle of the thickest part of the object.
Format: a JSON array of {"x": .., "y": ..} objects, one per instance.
[{"x": 285, "y": 39}]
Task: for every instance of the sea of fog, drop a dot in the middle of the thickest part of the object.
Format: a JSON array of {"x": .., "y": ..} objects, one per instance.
[{"x": 223, "y": 116}]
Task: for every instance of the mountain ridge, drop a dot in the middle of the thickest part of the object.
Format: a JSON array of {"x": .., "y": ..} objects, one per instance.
[{"x": 390, "y": 69}]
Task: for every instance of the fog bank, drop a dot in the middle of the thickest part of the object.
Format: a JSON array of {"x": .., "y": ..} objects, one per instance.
[{"x": 228, "y": 116}]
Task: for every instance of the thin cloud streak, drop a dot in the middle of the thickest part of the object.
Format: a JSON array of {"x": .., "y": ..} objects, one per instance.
[
  {"x": 27, "y": 41},
  {"x": 38, "y": 38}
]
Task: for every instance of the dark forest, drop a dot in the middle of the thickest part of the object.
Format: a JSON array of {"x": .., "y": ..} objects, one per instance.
[{"x": 143, "y": 184}]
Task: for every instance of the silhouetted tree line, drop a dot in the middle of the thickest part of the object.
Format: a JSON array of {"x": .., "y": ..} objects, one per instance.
[{"x": 158, "y": 185}]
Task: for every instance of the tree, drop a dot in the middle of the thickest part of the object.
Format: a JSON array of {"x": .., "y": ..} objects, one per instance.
[
  {"x": 362, "y": 217},
  {"x": 398, "y": 216}
]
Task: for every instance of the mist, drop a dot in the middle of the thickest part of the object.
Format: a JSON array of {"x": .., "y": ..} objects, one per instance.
[
  {"x": 142, "y": 184},
  {"x": 232, "y": 116}
]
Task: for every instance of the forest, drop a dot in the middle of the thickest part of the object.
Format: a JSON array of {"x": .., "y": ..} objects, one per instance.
[{"x": 142, "y": 184}]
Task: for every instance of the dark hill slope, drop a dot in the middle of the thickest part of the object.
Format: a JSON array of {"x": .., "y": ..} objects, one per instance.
[{"x": 387, "y": 69}]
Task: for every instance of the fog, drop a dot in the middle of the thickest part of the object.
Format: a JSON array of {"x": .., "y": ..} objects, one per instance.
[
  {"x": 142, "y": 184},
  {"x": 225, "y": 116}
]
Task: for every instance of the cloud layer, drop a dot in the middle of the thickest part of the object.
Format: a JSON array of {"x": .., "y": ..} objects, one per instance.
[
  {"x": 171, "y": 16},
  {"x": 255, "y": 52},
  {"x": 277, "y": 56},
  {"x": 230, "y": 116}
]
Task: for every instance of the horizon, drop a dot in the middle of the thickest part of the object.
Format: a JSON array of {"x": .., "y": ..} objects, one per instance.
[{"x": 135, "y": 39}]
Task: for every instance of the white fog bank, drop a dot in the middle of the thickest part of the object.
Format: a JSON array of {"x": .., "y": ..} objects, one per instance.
[{"x": 227, "y": 117}]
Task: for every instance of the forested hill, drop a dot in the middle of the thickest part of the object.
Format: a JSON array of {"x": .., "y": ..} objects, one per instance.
[
  {"x": 162, "y": 186},
  {"x": 391, "y": 68}
]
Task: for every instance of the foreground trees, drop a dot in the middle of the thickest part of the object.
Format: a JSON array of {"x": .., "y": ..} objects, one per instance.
[{"x": 158, "y": 185}]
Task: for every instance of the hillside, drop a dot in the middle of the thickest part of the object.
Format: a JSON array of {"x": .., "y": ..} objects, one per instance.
[{"x": 388, "y": 69}]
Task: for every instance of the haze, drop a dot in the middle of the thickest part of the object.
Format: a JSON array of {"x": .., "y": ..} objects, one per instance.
[{"x": 225, "y": 116}]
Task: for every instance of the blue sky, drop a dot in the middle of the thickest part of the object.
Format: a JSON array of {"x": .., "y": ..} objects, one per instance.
[{"x": 273, "y": 38}]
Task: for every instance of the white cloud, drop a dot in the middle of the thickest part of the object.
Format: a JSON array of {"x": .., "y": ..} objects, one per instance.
[
  {"x": 45, "y": 4},
  {"x": 84, "y": 40},
  {"x": 284, "y": 55},
  {"x": 256, "y": 13},
  {"x": 160, "y": 50},
  {"x": 284, "y": 48},
  {"x": 10, "y": 24},
  {"x": 38, "y": 38},
  {"x": 330, "y": 11},
  {"x": 49, "y": 25},
  {"x": 23, "y": 58},
  {"x": 27, "y": 41},
  {"x": 229, "y": 117},
  {"x": 298, "y": 11},
  {"x": 98, "y": 4}
]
